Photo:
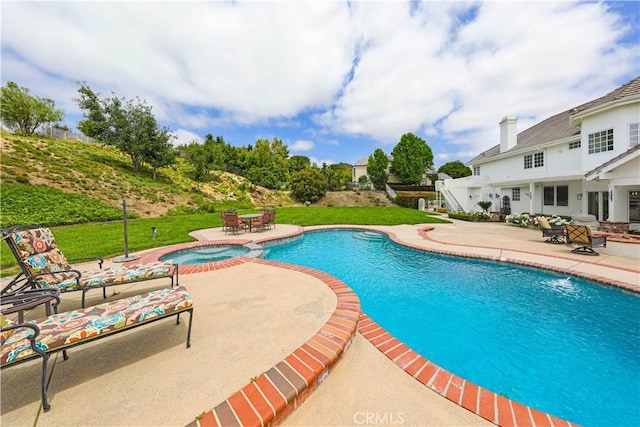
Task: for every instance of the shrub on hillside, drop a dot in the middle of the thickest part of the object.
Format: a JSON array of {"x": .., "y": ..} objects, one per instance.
[{"x": 308, "y": 184}]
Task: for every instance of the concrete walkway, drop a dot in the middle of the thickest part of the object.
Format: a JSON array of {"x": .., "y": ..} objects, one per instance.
[{"x": 247, "y": 318}]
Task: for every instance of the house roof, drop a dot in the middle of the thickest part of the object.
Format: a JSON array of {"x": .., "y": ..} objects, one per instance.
[
  {"x": 607, "y": 166},
  {"x": 560, "y": 126},
  {"x": 361, "y": 162}
]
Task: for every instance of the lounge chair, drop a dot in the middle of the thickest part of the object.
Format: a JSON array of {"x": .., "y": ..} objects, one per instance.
[
  {"x": 581, "y": 236},
  {"x": 21, "y": 341},
  {"x": 43, "y": 265},
  {"x": 554, "y": 235}
]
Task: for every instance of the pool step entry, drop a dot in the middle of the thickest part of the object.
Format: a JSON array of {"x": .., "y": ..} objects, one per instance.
[{"x": 369, "y": 235}]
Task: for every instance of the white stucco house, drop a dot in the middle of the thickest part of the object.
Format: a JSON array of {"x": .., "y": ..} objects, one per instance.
[{"x": 583, "y": 160}]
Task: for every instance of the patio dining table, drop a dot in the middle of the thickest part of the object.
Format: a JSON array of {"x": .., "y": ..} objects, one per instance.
[{"x": 249, "y": 218}]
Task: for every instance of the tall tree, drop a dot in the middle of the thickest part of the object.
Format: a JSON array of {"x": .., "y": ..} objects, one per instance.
[
  {"x": 216, "y": 159},
  {"x": 159, "y": 152},
  {"x": 267, "y": 163},
  {"x": 412, "y": 157},
  {"x": 309, "y": 184},
  {"x": 377, "y": 169},
  {"x": 297, "y": 163},
  {"x": 25, "y": 112},
  {"x": 127, "y": 125},
  {"x": 196, "y": 157},
  {"x": 455, "y": 169}
]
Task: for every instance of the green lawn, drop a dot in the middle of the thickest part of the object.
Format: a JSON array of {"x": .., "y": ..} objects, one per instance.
[{"x": 107, "y": 239}]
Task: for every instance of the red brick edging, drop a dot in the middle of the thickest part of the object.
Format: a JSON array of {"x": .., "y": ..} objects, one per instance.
[{"x": 274, "y": 395}]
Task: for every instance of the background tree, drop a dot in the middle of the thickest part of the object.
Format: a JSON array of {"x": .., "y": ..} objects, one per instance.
[
  {"x": 160, "y": 152},
  {"x": 377, "y": 169},
  {"x": 127, "y": 125},
  {"x": 24, "y": 112},
  {"x": 342, "y": 175},
  {"x": 297, "y": 163},
  {"x": 196, "y": 156},
  {"x": 309, "y": 184},
  {"x": 455, "y": 169},
  {"x": 266, "y": 163},
  {"x": 412, "y": 157},
  {"x": 215, "y": 152},
  {"x": 363, "y": 181}
]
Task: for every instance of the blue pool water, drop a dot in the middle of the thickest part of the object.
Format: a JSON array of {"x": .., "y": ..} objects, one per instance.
[
  {"x": 560, "y": 344},
  {"x": 204, "y": 254}
]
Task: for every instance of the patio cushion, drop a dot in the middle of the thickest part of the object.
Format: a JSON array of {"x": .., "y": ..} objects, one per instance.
[
  {"x": 34, "y": 241},
  {"x": 107, "y": 276},
  {"x": 73, "y": 327}
]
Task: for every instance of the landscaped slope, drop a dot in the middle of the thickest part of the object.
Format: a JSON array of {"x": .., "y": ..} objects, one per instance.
[{"x": 105, "y": 174}]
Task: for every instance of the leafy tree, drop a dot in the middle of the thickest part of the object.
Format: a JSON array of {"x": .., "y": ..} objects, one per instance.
[
  {"x": 196, "y": 157},
  {"x": 264, "y": 176},
  {"x": 363, "y": 181},
  {"x": 455, "y": 169},
  {"x": 215, "y": 152},
  {"x": 338, "y": 174},
  {"x": 377, "y": 169},
  {"x": 127, "y": 125},
  {"x": 297, "y": 163},
  {"x": 266, "y": 164},
  {"x": 25, "y": 112},
  {"x": 412, "y": 157},
  {"x": 160, "y": 153},
  {"x": 309, "y": 184}
]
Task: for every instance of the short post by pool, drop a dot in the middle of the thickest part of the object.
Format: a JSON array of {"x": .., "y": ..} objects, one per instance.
[{"x": 126, "y": 256}]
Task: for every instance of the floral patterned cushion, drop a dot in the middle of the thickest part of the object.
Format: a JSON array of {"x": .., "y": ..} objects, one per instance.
[
  {"x": 108, "y": 276},
  {"x": 4, "y": 322},
  {"x": 41, "y": 257},
  {"x": 34, "y": 241},
  {"x": 72, "y": 327}
]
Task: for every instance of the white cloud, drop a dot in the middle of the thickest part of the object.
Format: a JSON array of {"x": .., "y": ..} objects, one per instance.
[
  {"x": 318, "y": 162},
  {"x": 301, "y": 146},
  {"x": 445, "y": 70},
  {"x": 184, "y": 137},
  {"x": 456, "y": 80}
]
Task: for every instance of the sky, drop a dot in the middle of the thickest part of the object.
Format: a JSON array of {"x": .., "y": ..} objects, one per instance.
[{"x": 334, "y": 80}]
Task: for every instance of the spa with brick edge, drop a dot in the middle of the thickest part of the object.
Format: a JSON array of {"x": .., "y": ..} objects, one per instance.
[{"x": 274, "y": 395}]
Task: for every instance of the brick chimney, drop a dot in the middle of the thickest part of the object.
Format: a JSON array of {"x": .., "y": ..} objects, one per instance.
[{"x": 508, "y": 133}]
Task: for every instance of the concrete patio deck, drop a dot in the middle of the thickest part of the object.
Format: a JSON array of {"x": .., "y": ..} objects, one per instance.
[{"x": 249, "y": 317}]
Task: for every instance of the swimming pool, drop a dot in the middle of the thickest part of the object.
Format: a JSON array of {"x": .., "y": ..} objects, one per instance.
[{"x": 560, "y": 344}]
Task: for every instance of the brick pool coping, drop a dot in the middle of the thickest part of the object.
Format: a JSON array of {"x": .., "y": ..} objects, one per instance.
[{"x": 271, "y": 397}]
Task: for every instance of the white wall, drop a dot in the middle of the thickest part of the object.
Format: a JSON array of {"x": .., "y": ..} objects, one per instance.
[{"x": 617, "y": 119}]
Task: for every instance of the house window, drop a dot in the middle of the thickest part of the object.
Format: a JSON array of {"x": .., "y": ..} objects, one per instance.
[
  {"x": 476, "y": 170},
  {"x": 515, "y": 194},
  {"x": 562, "y": 195},
  {"x": 556, "y": 196},
  {"x": 634, "y": 134},
  {"x": 538, "y": 160},
  {"x": 573, "y": 145},
  {"x": 533, "y": 160},
  {"x": 549, "y": 196},
  {"x": 601, "y": 141}
]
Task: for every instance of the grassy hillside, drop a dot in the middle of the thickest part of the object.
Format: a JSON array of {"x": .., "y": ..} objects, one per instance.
[{"x": 105, "y": 177}]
